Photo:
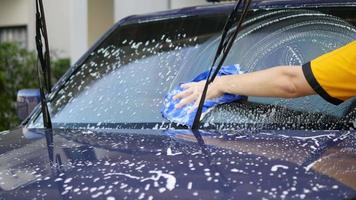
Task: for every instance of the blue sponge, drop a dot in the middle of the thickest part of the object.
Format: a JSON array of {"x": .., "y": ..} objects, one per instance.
[{"x": 181, "y": 115}]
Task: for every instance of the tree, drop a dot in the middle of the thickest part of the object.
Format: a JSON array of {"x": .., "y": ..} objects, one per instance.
[{"x": 18, "y": 71}]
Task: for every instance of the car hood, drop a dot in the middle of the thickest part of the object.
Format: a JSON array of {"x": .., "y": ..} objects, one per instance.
[{"x": 180, "y": 164}]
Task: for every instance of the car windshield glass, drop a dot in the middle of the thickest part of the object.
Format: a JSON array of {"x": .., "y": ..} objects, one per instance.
[{"x": 125, "y": 79}]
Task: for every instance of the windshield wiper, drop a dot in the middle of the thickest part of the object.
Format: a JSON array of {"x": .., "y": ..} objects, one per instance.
[
  {"x": 226, "y": 42},
  {"x": 44, "y": 73}
]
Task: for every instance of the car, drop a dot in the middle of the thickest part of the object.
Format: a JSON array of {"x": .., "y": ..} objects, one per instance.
[{"x": 110, "y": 141}]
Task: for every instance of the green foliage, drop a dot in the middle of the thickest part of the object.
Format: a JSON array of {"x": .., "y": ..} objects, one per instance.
[
  {"x": 59, "y": 67},
  {"x": 18, "y": 71}
]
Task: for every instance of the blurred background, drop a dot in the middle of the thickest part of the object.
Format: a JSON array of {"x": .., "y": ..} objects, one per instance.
[{"x": 72, "y": 25}]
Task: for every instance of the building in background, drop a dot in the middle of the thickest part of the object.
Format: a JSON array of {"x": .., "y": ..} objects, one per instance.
[{"x": 73, "y": 25}]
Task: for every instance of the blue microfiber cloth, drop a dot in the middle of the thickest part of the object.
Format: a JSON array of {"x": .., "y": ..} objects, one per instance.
[{"x": 181, "y": 115}]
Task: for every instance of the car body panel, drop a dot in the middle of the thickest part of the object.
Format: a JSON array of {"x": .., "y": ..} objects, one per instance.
[{"x": 180, "y": 164}]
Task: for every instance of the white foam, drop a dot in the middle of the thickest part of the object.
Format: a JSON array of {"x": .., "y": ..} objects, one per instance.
[
  {"x": 171, "y": 180},
  {"x": 170, "y": 153},
  {"x": 274, "y": 168}
]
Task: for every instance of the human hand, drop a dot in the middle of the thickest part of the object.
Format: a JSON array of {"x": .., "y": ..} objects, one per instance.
[{"x": 192, "y": 93}]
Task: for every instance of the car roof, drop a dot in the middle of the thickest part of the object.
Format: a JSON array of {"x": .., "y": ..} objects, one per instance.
[{"x": 221, "y": 7}]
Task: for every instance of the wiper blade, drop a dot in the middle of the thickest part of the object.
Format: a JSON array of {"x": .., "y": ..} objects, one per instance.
[
  {"x": 44, "y": 59},
  {"x": 226, "y": 42}
]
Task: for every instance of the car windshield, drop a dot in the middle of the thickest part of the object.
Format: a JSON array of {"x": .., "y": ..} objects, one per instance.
[{"x": 123, "y": 82}]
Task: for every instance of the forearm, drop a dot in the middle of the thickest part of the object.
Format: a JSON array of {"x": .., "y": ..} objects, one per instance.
[{"x": 281, "y": 81}]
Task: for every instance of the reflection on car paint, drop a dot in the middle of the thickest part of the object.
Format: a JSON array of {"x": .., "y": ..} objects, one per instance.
[{"x": 137, "y": 164}]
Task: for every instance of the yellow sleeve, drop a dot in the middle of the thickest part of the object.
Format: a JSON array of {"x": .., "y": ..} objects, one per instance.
[{"x": 333, "y": 75}]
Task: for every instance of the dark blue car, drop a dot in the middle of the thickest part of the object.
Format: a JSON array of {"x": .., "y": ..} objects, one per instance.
[{"x": 110, "y": 140}]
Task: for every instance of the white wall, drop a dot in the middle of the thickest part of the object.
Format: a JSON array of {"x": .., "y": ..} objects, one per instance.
[
  {"x": 58, "y": 26},
  {"x": 22, "y": 12},
  {"x": 79, "y": 29},
  {"x": 124, "y": 8},
  {"x": 67, "y": 20},
  {"x": 186, "y": 3},
  {"x": 100, "y": 18},
  {"x": 67, "y": 27},
  {"x": 31, "y": 25},
  {"x": 13, "y": 12}
]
